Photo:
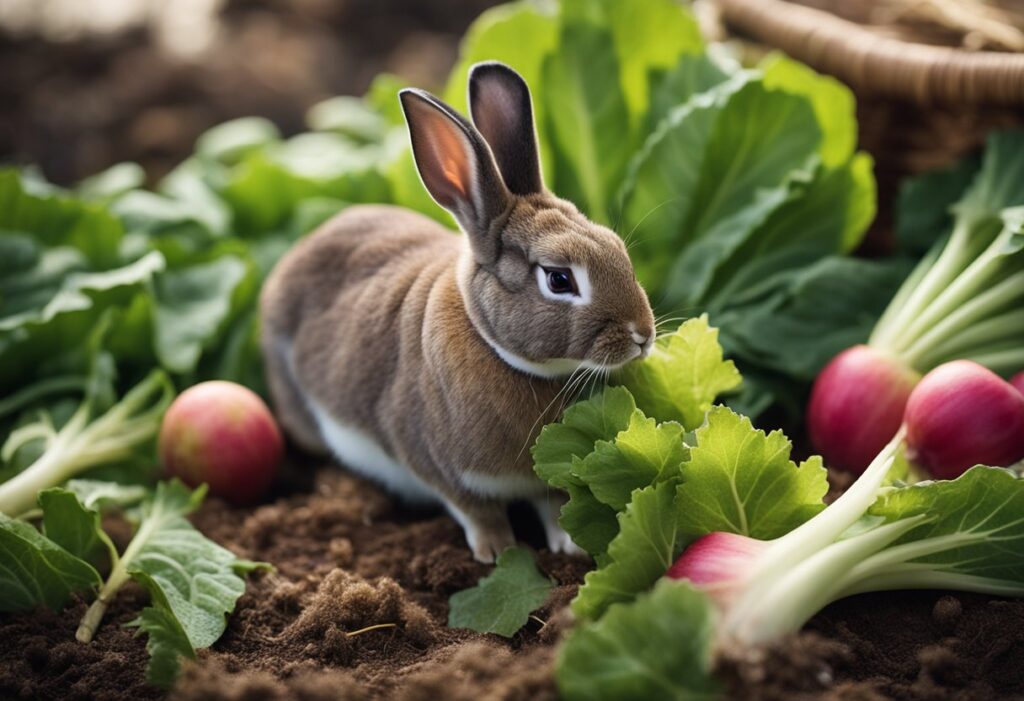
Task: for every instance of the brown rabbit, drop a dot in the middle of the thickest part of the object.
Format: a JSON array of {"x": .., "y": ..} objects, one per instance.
[{"x": 429, "y": 361}]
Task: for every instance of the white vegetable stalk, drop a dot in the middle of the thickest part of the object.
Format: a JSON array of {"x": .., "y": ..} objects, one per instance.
[
  {"x": 82, "y": 444},
  {"x": 765, "y": 589}
]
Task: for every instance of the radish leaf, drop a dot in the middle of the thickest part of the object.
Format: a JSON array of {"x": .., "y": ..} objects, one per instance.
[
  {"x": 657, "y": 647},
  {"x": 503, "y": 600},
  {"x": 739, "y": 480}
]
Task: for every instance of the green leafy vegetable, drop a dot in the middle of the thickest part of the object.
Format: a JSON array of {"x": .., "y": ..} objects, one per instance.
[
  {"x": 193, "y": 583},
  {"x": 503, "y": 600},
  {"x": 683, "y": 375},
  {"x": 658, "y": 647},
  {"x": 35, "y": 570},
  {"x": 739, "y": 480}
]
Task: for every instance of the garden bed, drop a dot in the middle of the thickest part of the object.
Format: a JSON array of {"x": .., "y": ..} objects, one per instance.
[{"x": 349, "y": 557}]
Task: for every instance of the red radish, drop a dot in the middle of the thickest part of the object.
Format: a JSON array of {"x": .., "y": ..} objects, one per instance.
[
  {"x": 717, "y": 563},
  {"x": 1018, "y": 381},
  {"x": 960, "y": 415},
  {"x": 223, "y": 434},
  {"x": 857, "y": 405}
]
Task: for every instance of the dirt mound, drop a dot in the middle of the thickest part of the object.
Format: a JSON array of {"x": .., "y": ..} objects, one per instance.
[{"x": 357, "y": 607}]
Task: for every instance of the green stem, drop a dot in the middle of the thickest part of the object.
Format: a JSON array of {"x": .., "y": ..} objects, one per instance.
[
  {"x": 789, "y": 601},
  {"x": 975, "y": 276},
  {"x": 1001, "y": 362},
  {"x": 989, "y": 301},
  {"x": 787, "y": 552},
  {"x": 995, "y": 331},
  {"x": 885, "y": 324},
  {"x": 922, "y": 576},
  {"x": 946, "y": 267},
  {"x": 119, "y": 576}
]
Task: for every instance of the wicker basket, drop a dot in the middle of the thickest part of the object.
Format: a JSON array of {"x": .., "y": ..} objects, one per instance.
[{"x": 920, "y": 105}]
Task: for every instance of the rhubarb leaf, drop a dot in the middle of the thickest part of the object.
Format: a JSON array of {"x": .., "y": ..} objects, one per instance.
[
  {"x": 683, "y": 376},
  {"x": 739, "y": 480},
  {"x": 643, "y": 453},
  {"x": 974, "y": 524},
  {"x": 646, "y": 545},
  {"x": 503, "y": 600},
  {"x": 657, "y": 647},
  {"x": 35, "y": 570}
]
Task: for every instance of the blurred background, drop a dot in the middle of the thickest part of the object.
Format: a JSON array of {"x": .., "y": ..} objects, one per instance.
[{"x": 85, "y": 84}]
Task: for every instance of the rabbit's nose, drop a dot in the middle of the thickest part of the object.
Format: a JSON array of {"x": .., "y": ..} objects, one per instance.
[{"x": 644, "y": 340}]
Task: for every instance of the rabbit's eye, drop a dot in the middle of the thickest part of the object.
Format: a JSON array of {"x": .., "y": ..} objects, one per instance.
[{"x": 561, "y": 281}]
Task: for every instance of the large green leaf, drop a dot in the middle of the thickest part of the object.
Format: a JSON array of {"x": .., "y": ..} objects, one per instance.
[
  {"x": 35, "y": 570},
  {"x": 646, "y": 545},
  {"x": 587, "y": 119},
  {"x": 643, "y": 453},
  {"x": 591, "y": 523},
  {"x": 973, "y": 525},
  {"x": 56, "y": 220},
  {"x": 683, "y": 376},
  {"x": 503, "y": 600},
  {"x": 658, "y": 647},
  {"x": 582, "y": 425},
  {"x": 833, "y": 103},
  {"x": 192, "y": 306},
  {"x": 648, "y": 36},
  {"x": 812, "y": 313},
  {"x": 198, "y": 579},
  {"x": 54, "y": 307},
  {"x": 739, "y": 480}
]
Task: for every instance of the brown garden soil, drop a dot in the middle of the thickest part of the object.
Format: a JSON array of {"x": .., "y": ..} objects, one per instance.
[{"x": 349, "y": 557}]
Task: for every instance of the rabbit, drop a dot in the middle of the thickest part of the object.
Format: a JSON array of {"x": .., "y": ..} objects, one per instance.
[{"x": 429, "y": 361}]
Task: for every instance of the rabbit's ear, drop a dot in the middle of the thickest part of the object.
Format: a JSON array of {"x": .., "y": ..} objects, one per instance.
[
  {"x": 457, "y": 168},
  {"x": 499, "y": 101}
]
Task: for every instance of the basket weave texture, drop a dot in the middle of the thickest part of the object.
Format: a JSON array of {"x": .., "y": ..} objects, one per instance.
[{"x": 920, "y": 105}]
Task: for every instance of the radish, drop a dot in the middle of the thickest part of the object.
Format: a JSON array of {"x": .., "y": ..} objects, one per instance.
[
  {"x": 965, "y": 299},
  {"x": 857, "y": 405},
  {"x": 1018, "y": 381},
  {"x": 960, "y": 415},
  {"x": 222, "y": 434}
]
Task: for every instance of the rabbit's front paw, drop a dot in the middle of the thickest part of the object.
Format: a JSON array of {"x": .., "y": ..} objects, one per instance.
[
  {"x": 487, "y": 542},
  {"x": 548, "y": 509}
]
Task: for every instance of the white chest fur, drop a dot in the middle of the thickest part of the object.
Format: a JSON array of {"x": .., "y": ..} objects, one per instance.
[{"x": 363, "y": 455}]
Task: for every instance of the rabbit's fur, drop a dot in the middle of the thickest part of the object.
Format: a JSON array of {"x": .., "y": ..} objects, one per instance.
[{"x": 430, "y": 361}]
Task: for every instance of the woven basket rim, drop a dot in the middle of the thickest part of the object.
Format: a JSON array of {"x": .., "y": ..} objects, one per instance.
[{"x": 876, "y": 64}]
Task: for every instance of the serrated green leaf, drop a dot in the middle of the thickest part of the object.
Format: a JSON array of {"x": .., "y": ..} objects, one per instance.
[
  {"x": 96, "y": 494},
  {"x": 589, "y": 523},
  {"x": 503, "y": 600},
  {"x": 638, "y": 456},
  {"x": 739, "y": 480},
  {"x": 657, "y": 647},
  {"x": 35, "y": 570},
  {"x": 166, "y": 644},
  {"x": 683, "y": 376},
  {"x": 646, "y": 545},
  {"x": 197, "y": 578},
  {"x": 581, "y": 426}
]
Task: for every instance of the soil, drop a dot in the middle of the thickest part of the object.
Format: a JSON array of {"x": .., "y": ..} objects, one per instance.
[{"x": 357, "y": 606}]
